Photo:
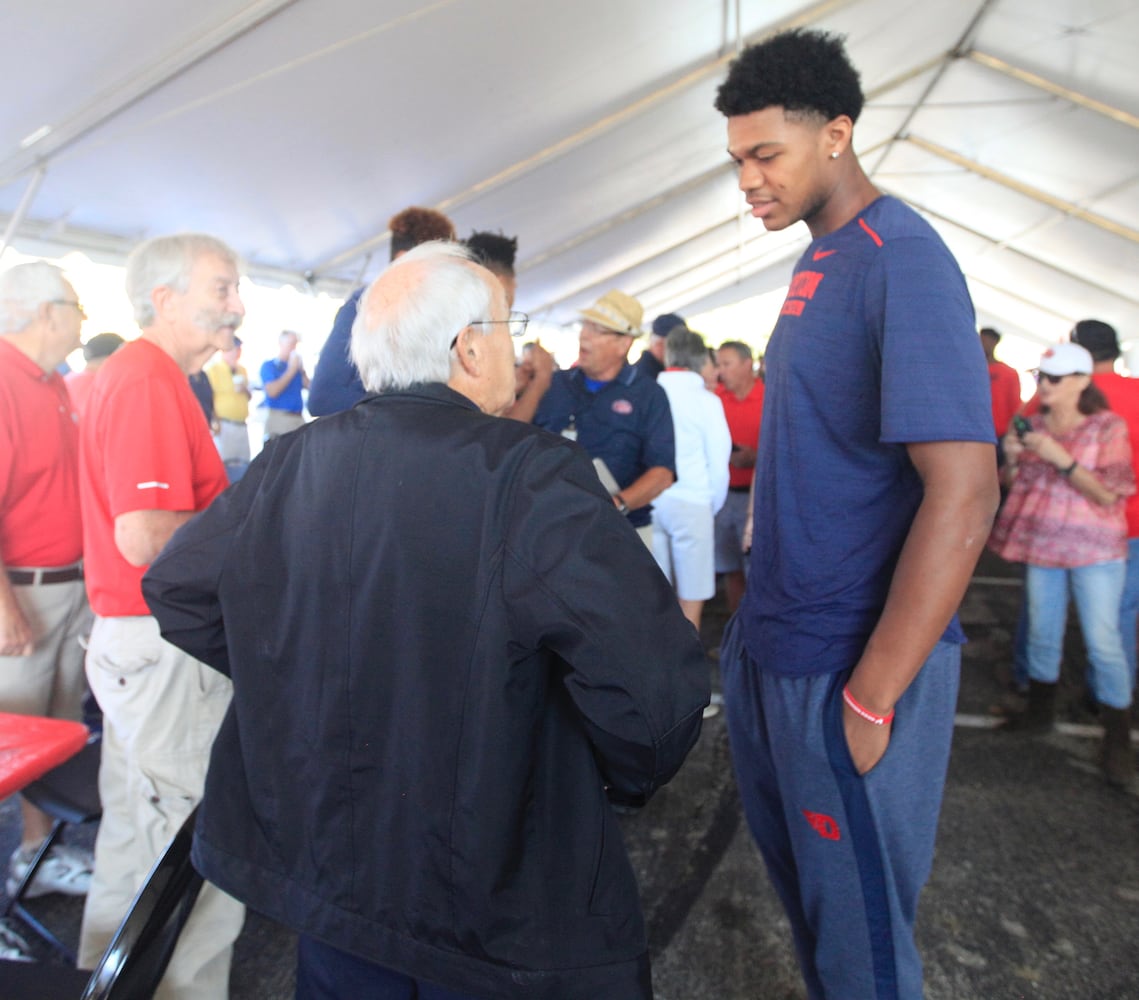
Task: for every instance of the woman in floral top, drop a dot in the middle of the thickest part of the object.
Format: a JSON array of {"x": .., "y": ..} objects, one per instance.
[{"x": 1069, "y": 473}]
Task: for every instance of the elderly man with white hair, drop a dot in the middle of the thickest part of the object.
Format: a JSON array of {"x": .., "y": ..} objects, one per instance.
[
  {"x": 437, "y": 626},
  {"x": 43, "y": 607},
  {"x": 147, "y": 465}
]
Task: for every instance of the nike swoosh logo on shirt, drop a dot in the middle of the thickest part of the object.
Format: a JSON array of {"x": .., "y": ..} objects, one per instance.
[
  {"x": 153, "y": 486},
  {"x": 820, "y": 254}
]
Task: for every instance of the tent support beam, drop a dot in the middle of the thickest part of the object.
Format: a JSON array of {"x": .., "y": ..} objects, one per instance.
[
  {"x": 1027, "y": 190},
  {"x": 627, "y": 216},
  {"x": 112, "y": 103},
  {"x": 813, "y": 13},
  {"x": 1041, "y": 83},
  {"x": 1007, "y": 245},
  {"x": 26, "y": 200}
]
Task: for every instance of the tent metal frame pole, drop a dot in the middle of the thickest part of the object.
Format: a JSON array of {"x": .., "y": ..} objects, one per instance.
[
  {"x": 114, "y": 102},
  {"x": 561, "y": 147},
  {"x": 26, "y": 200},
  {"x": 1027, "y": 190},
  {"x": 1056, "y": 89},
  {"x": 963, "y": 43},
  {"x": 1007, "y": 245},
  {"x": 707, "y": 177}
]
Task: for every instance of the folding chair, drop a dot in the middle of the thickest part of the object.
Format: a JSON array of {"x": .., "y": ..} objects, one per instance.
[{"x": 135, "y": 960}]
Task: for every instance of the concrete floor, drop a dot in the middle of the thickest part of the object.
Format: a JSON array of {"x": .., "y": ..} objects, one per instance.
[{"x": 1035, "y": 886}]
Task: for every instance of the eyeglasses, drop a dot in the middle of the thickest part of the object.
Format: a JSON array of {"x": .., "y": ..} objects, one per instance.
[
  {"x": 516, "y": 324},
  {"x": 68, "y": 302},
  {"x": 1051, "y": 379}
]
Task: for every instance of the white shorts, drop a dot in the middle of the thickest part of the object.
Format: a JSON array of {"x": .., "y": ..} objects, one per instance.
[{"x": 683, "y": 546}]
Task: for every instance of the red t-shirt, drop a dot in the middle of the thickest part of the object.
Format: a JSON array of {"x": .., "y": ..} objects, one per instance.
[
  {"x": 40, "y": 523},
  {"x": 79, "y": 387},
  {"x": 144, "y": 445},
  {"x": 1005, "y": 384},
  {"x": 744, "y": 417},
  {"x": 1123, "y": 397}
]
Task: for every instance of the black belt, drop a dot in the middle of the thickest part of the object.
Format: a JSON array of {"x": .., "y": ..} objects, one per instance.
[
  {"x": 739, "y": 489},
  {"x": 30, "y": 577}
]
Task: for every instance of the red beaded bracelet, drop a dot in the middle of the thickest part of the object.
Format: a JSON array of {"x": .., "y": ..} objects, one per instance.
[{"x": 878, "y": 720}]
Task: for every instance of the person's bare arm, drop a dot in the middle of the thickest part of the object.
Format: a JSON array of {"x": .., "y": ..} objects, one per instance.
[
  {"x": 16, "y": 637},
  {"x": 1082, "y": 479},
  {"x": 940, "y": 552},
  {"x": 526, "y": 405},
  {"x": 647, "y": 487},
  {"x": 141, "y": 534}
]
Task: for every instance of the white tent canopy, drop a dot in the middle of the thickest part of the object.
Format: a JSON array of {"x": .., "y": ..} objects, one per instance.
[{"x": 295, "y": 128}]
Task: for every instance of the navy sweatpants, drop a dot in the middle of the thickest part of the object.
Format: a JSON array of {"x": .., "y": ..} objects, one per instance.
[
  {"x": 848, "y": 854},
  {"x": 327, "y": 973}
]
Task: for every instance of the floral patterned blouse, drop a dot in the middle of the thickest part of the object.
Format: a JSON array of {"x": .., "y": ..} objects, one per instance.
[{"x": 1046, "y": 521}]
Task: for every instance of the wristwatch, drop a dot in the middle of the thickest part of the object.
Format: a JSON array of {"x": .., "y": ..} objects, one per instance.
[{"x": 621, "y": 505}]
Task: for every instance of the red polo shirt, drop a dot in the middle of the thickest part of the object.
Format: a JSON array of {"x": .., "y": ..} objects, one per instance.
[
  {"x": 1005, "y": 384},
  {"x": 744, "y": 417},
  {"x": 39, "y": 465},
  {"x": 144, "y": 445}
]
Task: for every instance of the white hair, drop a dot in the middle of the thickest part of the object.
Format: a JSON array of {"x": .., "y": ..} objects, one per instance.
[
  {"x": 23, "y": 289},
  {"x": 166, "y": 261},
  {"x": 409, "y": 317}
]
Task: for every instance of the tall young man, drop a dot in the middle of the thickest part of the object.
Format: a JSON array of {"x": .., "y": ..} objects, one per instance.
[{"x": 876, "y": 487}]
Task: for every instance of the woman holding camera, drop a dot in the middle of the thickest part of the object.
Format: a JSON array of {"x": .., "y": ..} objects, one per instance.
[{"x": 1069, "y": 472}]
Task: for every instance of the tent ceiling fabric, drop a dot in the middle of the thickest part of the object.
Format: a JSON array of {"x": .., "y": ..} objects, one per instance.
[{"x": 295, "y": 128}]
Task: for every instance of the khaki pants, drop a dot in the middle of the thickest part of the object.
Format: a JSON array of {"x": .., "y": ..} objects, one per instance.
[
  {"x": 50, "y": 681},
  {"x": 161, "y": 711},
  {"x": 278, "y": 422}
]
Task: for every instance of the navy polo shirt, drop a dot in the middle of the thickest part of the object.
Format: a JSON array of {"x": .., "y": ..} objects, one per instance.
[{"x": 627, "y": 423}]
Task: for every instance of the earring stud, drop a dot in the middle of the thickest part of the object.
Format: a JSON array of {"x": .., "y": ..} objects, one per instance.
[{"x": 834, "y": 155}]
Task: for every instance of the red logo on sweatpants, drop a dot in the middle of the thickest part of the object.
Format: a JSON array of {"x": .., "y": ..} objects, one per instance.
[{"x": 823, "y": 825}]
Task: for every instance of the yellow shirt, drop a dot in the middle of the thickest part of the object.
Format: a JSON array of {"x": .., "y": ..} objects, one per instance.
[{"x": 229, "y": 403}]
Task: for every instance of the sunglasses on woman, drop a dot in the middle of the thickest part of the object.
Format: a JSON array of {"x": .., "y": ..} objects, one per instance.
[{"x": 1051, "y": 379}]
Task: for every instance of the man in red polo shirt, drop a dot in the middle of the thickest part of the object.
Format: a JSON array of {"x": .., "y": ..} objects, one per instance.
[
  {"x": 742, "y": 395},
  {"x": 147, "y": 464},
  {"x": 1004, "y": 383},
  {"x": 43, "y": 607}
]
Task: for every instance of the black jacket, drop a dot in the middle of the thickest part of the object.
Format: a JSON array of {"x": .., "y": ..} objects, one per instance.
[{"x": 443, "y": 639}]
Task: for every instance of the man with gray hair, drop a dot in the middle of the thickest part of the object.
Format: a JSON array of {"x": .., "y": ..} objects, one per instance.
[
  {"x": 43, "y": 607},
  {"x": 437, "y": 667},
  {"x": 147, "y": 465}
]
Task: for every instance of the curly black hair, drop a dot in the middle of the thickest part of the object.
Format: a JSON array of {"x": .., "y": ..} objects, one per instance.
[
  {"x": 493, "y": 250},
  {"x": 800, "y": 71},
  {"x": 417, "y": 225}
]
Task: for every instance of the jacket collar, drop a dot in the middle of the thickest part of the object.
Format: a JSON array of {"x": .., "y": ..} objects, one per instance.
[{"x": 431, "y": 392}]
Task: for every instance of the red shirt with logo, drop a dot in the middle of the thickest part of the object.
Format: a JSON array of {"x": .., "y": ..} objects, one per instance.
[
  {"x": 144, "y": 445},
  {"x": 40, "y": 523},
  {"x": 744, "y": 419}
]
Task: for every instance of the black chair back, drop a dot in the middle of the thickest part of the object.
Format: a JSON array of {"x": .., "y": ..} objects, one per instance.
[{"x": 137, "y": 956}]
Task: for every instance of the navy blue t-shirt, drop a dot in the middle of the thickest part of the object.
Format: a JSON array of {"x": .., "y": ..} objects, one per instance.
[
  {"x": 875, "y": 348},
  {"x": 627, "y": 423},
  {"x": 336, "y": 385}
]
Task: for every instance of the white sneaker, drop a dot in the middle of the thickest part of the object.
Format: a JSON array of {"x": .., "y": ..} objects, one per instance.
[
  {"x": 13, "y": 948},
  {"x": 65, "y": 869}
]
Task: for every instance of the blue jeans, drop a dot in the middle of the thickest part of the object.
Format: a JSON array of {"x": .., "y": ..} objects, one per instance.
[
  {"x": 1129, "y": 607},
  {"x": 1097, "y": 590}
]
